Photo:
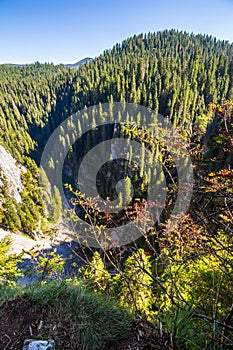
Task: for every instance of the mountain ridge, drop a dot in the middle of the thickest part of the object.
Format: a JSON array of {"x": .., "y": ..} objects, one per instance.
[
  {"x": 79, "y": 63},
  {"x": 70, "y": 65}
]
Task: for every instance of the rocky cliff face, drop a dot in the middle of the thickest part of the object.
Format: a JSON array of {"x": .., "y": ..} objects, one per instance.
[{"x": 10, "y": 174}]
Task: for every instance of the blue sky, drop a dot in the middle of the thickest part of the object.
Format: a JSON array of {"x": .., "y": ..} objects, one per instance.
[{"x": 69, "y": 30}]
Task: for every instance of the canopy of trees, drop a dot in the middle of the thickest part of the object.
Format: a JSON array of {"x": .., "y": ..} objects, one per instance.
[{"x": 186, "y": 275}]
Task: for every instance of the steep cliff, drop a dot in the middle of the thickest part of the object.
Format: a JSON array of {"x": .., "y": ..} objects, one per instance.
[{"x": 10, "y": 175}]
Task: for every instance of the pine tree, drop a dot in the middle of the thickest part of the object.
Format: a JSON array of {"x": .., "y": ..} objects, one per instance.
[{"x": 56, "y": 205}]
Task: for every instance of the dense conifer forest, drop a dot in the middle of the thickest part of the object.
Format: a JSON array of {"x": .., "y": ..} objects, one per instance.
[{"x": 180, "y": 280}]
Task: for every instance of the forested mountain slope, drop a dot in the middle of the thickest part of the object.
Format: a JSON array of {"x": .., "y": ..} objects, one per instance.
[
  {"x": 183, "y": 277},
  {"x": 174, "y": 73}
]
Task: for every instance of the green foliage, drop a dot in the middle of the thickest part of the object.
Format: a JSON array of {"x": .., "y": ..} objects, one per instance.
[
  {"x": 188, "y": 332},
  {"x": 46, "y": 265},
  {"x": 95, "y": 274},
  {"x": 131, "y": 286},
  {"x": 26, "y": 215},
  {"x": 9, "y": 291},
  {"x": 219, "y": 140},
  {"x": 171, "y": 72},
  {"x": 1, "y": 213},
  {"x": 98, "y": 322},
  {"x": 8, "y": 262},
  {"x": 56, "y": 205},
  {"x": 175, "y": 74},
  {"x": 11, "y": 218},
  {"x": 134, "y": 284}
]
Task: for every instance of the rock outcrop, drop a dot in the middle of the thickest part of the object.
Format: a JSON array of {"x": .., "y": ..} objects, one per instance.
[
  {"x": 39, "y": 344},
  {"x": 10, "y": 174}
]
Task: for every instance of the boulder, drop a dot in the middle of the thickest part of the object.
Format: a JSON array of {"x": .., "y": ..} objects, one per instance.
[{"x": 31, "y": 344}]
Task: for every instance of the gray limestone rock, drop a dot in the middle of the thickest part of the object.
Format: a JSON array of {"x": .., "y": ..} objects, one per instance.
[
  {"x": 31, "y": 344},
  {"x": 11, "y": 171}
]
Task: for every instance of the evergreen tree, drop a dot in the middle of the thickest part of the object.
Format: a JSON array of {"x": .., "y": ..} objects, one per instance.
[{"x": 56, "y": 205}]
